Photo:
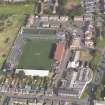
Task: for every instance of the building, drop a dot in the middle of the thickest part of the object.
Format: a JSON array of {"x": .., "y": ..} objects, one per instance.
[
  {"x": 45, "y": 24},
  {"x": 104, "y": 6},
  {"x": 30, "y": 21},
  {"x": 89, "y": 44},
  {"x": 31, "y": 72},
  {"x": 75, "y": 62},
  {"x": 99, "y": 102},
  {"x": 44, "y": 18},
  {"x": 59, "y": 52},
  {"x": 89, "y": 34},
  {"x": 78, "y": 20},
  {"x": 76, "y": 43},
  {"x": 64, "y": 18},
  {"x": 52, "y": 21}
]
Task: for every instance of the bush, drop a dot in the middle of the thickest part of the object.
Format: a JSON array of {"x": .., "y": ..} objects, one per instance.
[
  {"x": 7, "y": 40},
  {"x": 2, "y": 28},
  {"x": 9, "y": 23}
]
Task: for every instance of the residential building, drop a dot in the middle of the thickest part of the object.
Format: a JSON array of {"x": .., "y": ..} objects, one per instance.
[
  {"x": 99, "y": 102},
  {"x": 75, "y": 43}
]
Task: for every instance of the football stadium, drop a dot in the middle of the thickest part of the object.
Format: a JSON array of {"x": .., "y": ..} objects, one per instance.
[{"x": 35, "y": 51}]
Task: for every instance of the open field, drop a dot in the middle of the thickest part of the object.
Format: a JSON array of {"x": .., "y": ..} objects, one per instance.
[
  {"x": 97, "y": 58},
  {"x": 11, "y": 19},
  {"x": 16, "y": 9},
  {"x": 101, "y": 43},
  {"x": 36, "y": 55},
  {"x": 71, "y": 4},
  {"x": 70, "y": 8}
]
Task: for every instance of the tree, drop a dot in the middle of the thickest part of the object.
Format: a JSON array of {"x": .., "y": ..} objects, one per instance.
[{"x": 21, "y": 74}]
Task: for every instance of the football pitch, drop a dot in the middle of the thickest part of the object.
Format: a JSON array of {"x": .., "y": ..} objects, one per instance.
[{"x": 36, "y": 55}]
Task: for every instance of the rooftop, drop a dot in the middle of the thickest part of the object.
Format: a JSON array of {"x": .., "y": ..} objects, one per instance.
[
  {"x": 99, "y": 102},
  {"x": 59, "y": 51}
]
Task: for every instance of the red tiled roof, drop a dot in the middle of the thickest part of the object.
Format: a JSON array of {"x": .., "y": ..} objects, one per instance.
[
  {"x": 59, "y": 52},
  {"x": 30, "y": 19}
]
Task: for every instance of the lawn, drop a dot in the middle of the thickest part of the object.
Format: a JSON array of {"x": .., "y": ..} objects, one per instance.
[
  {"x": 101, "y": 43},
  {"x": 78, "y": 1},
  {"x": 16, "y": 9},
  {"x": 85, "y": 94},
  {"x": 36, "y": 55},
  {"x": 85, "y": 56},
  {"x": 11, "y": 19},
  {"x": 97, "y": 58}
]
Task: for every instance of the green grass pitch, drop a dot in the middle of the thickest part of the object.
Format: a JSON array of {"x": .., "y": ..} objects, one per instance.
[{"x": 36, "y": 55}]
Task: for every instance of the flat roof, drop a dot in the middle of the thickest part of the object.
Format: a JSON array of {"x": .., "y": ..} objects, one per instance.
[
  {"x": 31, "y": 72},
  {"x": 99, "y": 102}
]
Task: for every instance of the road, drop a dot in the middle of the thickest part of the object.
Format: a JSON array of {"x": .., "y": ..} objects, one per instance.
[
  {"x": 27, "y": 96},
  {"x": 57, "y": 98}
]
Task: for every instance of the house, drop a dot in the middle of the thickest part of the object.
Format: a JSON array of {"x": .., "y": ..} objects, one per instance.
[
  {"x": 54, "y": 24},
  {"x": 89, "y": 44},
  {"x": 89, "y": 36},
  {"x": 76, "y": 43},
  {"x": 30, "y": 21},
  {"x": 45, "y": 24},
  {"x": 44, "y": 18},
  {"x": 99, "y": 102},
  {"x": 54, "y": 18},
  {"x": 78, "y": 20},
  {"x": 64, "y": 18}
]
